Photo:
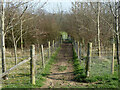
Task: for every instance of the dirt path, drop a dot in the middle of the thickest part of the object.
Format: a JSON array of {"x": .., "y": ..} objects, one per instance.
[{"x": 62, "y": 72}]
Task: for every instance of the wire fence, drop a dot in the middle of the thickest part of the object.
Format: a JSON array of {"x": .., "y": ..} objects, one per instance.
[
  {"x": 99, "y": 65},
  {"x": 21, "y": 74},
  {"x": 39, "y": 66}
]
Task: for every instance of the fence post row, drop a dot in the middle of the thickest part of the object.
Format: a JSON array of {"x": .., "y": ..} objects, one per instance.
[
  {"x": 42, "y": 52},
  {"x": 32, "y": 64},
  {"x": 88, "y": 62},
  {"x": 113, "y": 54},
  {"x": 32, "y": 59}
]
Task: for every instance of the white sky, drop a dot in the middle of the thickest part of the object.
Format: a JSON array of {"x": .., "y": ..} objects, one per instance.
[
  {"x": 56, "y": 6},
  {"x": 64, "y": 5},
  {"x": 63, "y": 0}
]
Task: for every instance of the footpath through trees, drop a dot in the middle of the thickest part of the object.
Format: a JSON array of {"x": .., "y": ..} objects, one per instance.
[{"x": 62, "y": 72}]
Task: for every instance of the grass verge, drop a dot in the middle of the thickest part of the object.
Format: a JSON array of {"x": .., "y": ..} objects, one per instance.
[
  {"x": 95, "y": 81},
  {"x": 78, "y": 69}
]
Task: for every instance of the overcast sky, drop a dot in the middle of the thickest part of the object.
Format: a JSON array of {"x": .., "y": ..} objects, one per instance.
[
  {"x": 54, "y": 6},
  {"x": 65, "y": 5}
]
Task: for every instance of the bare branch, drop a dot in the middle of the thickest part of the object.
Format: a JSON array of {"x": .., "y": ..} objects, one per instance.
[
  {"x": 21, "y": 36},
  {"x": 112, "y": 10}
]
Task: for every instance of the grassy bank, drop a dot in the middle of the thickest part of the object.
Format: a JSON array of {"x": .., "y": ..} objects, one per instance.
[
  {"x": 104, "y": 80},
  {"x": 26, "y": 77}
]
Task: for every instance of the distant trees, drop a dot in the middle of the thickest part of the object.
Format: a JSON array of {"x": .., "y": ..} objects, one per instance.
[
  {"x": 98, "y": 28},
  {"x": 93, "y": 22},
  {"x": 8, "y": 18},
  {"x": 82, "y": 22},
  {"x": 30, "y": 27}
]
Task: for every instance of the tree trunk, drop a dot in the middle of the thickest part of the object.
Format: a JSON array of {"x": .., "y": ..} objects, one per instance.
[
  {"x": 117, "y": 31},
  {"x": 118, "y": 58},
  {"x": 98, "y": 29},
  {"x": 21, "y": 36},
  {"x": 88, "y": 62},
  {"x": 3, "y": 39},
  {"x": 15, "y": 52},
  {"x": 95, "y": 41},
  {"x": 15, "y": 47}
]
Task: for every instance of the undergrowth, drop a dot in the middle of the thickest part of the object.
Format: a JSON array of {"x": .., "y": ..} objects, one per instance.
[{"x": 78, "y": 69}]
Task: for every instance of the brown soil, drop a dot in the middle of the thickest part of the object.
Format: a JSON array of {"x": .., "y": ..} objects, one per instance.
[{"x": 57, "y": 78}]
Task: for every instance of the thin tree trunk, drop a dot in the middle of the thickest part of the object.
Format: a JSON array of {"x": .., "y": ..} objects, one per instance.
[
  {"x": 15, "y": 47},
  {"x": 15, "y": 51},
  {"x": 117, "y": 31},
  {"x": 21, "y": 36},
  {"x": 113, "y": 36},
  {"x": 82, "y": 6},
  {"x": 118, "y": 58},
  {"x": 98, "y": 30},
  {"x": 3, "y": 39},
  {"x": 95, "y": 41}
]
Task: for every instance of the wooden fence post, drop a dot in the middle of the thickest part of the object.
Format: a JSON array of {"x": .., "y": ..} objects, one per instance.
[
  {"x": 32, "y": 64},
  {"x": 113, "y": 54},
  {"x": 42, "y": 53},
  {"x": 49, "y": 52},
  {"x": 75, "y": 46},
  {"x": 61, "y": 39},
  {"x": 88, "y": 62},
  {"x": 53, "y": 44},
  {"x": 78, "y": 50}
]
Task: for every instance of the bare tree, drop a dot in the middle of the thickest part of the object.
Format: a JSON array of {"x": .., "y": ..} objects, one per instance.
[
  {"x": 21, "y": 24},
  {"x": 98, "y": 29},
  {"x": 116, "y": 16},
  {"x": 3, "y": 38},
  {"x": 117, "y": 29}
]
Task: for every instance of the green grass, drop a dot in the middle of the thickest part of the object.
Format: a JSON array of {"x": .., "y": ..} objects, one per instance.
[
  {"x": 18, "y": 80},
  {"x": 100, "y": 76},
  {"x": 119, "y": 76},
  {"x": 103, "y": 66},
  {"x": 53, "y": 60},
  {"x": 78, "y": 69},
  {"x": 62, "y": 68}
]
